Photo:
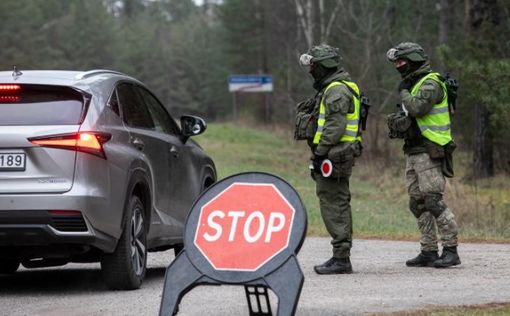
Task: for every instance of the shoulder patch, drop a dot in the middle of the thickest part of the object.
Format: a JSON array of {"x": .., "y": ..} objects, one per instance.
[
  {"x": 337, "y": 99},
  {"x": 430, "y": 90}
]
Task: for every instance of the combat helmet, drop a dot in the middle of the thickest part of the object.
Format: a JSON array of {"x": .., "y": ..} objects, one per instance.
[
  {"x": 407, "y": 50},
  {"x": 323, "y": 54}
]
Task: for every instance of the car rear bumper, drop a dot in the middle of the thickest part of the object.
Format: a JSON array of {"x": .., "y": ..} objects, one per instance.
[
  {"x": 40, "y": 235},
  {"x": 33, "y": 220}
]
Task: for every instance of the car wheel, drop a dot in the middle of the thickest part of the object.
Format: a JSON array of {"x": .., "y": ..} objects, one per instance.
[
  {"x": 124, "y": 269},
  {"x": 8, "y": 266}
]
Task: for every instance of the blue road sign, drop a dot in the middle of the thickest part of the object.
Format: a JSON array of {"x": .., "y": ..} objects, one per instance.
[{"x": 250, "y": 83}]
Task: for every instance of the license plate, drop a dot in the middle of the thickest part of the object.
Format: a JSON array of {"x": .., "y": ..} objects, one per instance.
[{"x": 12, "y": 162}]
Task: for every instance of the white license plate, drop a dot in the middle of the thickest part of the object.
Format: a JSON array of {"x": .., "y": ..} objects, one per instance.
[{"x": 12, "y": 162}]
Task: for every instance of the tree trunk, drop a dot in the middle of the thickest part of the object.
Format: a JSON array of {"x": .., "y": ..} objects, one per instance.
[
  {"x": 483, "y": 155},
  {"x": 445, "y": 20},
  {"x": 481, "y": 13}
]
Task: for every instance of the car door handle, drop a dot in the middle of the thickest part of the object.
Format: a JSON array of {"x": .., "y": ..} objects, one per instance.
[
  {"x": 138, "y": 143},
  {"x": 174, "y": 151}
]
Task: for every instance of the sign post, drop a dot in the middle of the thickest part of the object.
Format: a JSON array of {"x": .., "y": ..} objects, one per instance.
[
  {"x": 249, "y": 84},
  {"x": 244, "y": 230}
]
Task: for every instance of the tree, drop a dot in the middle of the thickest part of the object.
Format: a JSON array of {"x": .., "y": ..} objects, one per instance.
[{"x": 484, "y": 20}]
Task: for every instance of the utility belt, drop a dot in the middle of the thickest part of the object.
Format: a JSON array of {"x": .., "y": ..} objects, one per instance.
[
  {"x": 402, "y": 126},
  {"x": 342, "y": 157}
]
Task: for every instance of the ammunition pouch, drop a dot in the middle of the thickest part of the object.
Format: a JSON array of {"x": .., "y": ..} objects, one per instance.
[
  {"x": 398, "y": 124},
  {"x": 305, "y": 126},
  {"x": 447, "y": 163},
  {"x": 342, "y": 157},
  {"x": 445, "y": 153}
]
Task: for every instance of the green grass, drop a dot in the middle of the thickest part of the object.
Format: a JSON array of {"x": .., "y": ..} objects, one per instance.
[
  {"x": 379, "y": 198},
  {"x": 494, "y": 309}
]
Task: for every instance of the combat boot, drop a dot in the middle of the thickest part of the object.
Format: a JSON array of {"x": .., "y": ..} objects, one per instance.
[
  {"x": 335, "y": 266},
  {"x": 424, "y": 259},
  {"x": 448, "y": 258}
]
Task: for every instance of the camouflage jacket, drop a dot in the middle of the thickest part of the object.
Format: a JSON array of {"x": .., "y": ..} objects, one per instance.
[
  {"x": 430, "y": 93},
  {"x": 338, "y": 102}
]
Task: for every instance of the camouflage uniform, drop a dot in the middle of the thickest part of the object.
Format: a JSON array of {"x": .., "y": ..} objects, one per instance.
[{"x": 424, "y": 175}]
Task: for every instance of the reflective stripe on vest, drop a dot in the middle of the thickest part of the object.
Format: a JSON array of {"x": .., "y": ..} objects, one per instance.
[
  {"x": 435, "y": 125},
  {"x": 351, "y": 130}
]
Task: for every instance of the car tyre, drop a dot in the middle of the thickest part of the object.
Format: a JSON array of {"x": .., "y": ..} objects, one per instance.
[
  {"x": 125, "y": 268},
  {"x": 9, "y": 266}
]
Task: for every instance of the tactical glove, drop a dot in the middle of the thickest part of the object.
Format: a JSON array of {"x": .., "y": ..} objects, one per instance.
[
  {"x": 317, "y": 161},
  {"x": 398, "y": 124}
]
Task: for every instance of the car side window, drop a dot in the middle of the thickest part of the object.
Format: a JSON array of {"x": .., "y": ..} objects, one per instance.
[
  {"x": 162, "y": 120},
  {"x": 135, "y": 112},
  {"x": 113, "y": 103}
]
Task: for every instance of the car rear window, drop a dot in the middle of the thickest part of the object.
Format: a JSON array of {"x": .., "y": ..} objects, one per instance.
[{"x": 39, "y": 105}]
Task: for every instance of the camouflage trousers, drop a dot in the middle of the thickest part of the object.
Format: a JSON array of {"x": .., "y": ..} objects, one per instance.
[{"x": 425, "y": 185}]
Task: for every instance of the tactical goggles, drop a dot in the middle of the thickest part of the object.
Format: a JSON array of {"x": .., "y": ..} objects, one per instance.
[
  {"x": 392, "y": 54},
  {"x": 305, "y": 60}
]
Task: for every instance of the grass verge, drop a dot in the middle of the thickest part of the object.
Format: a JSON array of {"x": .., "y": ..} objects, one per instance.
[
  {"x": 379, "y": 198},
  {"x": 493, "y": 309}
]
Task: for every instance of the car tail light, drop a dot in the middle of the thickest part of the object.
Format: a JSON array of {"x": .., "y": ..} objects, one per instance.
[
  {"x": 9, "y": 87},
  {"x": 9, "y": 98},
  {"x": 88, "y": 142},
  {"x": 8, "y": 93}
]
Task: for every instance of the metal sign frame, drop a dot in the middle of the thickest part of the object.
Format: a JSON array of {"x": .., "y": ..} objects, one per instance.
[{"x": 281, "y": 274}]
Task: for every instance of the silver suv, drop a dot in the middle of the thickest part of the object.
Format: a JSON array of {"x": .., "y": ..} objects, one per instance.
[{"x": 93, "y": 168}]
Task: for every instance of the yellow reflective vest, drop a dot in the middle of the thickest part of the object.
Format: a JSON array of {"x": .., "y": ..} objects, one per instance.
[
  {"x": 435, "y": 125},
  {"x": 351, "y": 131}
]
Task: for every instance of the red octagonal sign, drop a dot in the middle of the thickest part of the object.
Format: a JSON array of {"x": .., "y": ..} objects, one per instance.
[{"x": 244, "y": 226}]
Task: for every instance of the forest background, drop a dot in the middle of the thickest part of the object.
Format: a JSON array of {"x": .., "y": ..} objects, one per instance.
[{"x": 185, "y": 52}]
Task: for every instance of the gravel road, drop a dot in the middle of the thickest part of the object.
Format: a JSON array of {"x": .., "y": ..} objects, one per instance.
[{"x": 381, "y": 283}]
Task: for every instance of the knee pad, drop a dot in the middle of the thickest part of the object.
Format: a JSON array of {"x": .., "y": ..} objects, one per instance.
[
  {"x": 434, "y": 204},
  {"x": 416, "y": 205}
]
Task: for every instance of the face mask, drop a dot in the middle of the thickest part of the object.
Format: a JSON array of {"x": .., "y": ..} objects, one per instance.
[
  {"x": 317, "y": 71},
  {"x": 404, "y": 69}
]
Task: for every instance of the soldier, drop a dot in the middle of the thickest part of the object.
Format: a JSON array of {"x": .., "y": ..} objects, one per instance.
[
  {"x": 425, "y": 125},
  {"x": 330, "y": 123}
]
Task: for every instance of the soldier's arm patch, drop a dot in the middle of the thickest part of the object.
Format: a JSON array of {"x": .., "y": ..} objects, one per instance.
[
  {"x": 337, "y": 100},
  {"x": 430, "y": 92}
]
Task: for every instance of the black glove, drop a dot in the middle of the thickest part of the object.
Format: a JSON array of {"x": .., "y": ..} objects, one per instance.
[
  {"x": 405, "y": 85},
  {"x": 317, "y": 161}
]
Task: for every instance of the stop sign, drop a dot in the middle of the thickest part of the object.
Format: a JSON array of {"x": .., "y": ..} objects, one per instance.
[
  {"x": 246, "y": 229},
  {"x": 244, "y": 226}
]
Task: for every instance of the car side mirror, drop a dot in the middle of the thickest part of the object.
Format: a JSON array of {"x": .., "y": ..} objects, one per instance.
[{"x": 191, "y": 126}]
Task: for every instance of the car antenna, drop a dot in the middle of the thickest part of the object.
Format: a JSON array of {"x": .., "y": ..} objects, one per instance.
[{"x": 16, "y": 73}]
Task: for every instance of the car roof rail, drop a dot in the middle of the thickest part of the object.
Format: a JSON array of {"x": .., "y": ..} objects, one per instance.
[{"x": 95, "y": 72}]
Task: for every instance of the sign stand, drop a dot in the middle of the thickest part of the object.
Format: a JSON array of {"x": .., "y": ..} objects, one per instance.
[{"x": 276, "y": 204}]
